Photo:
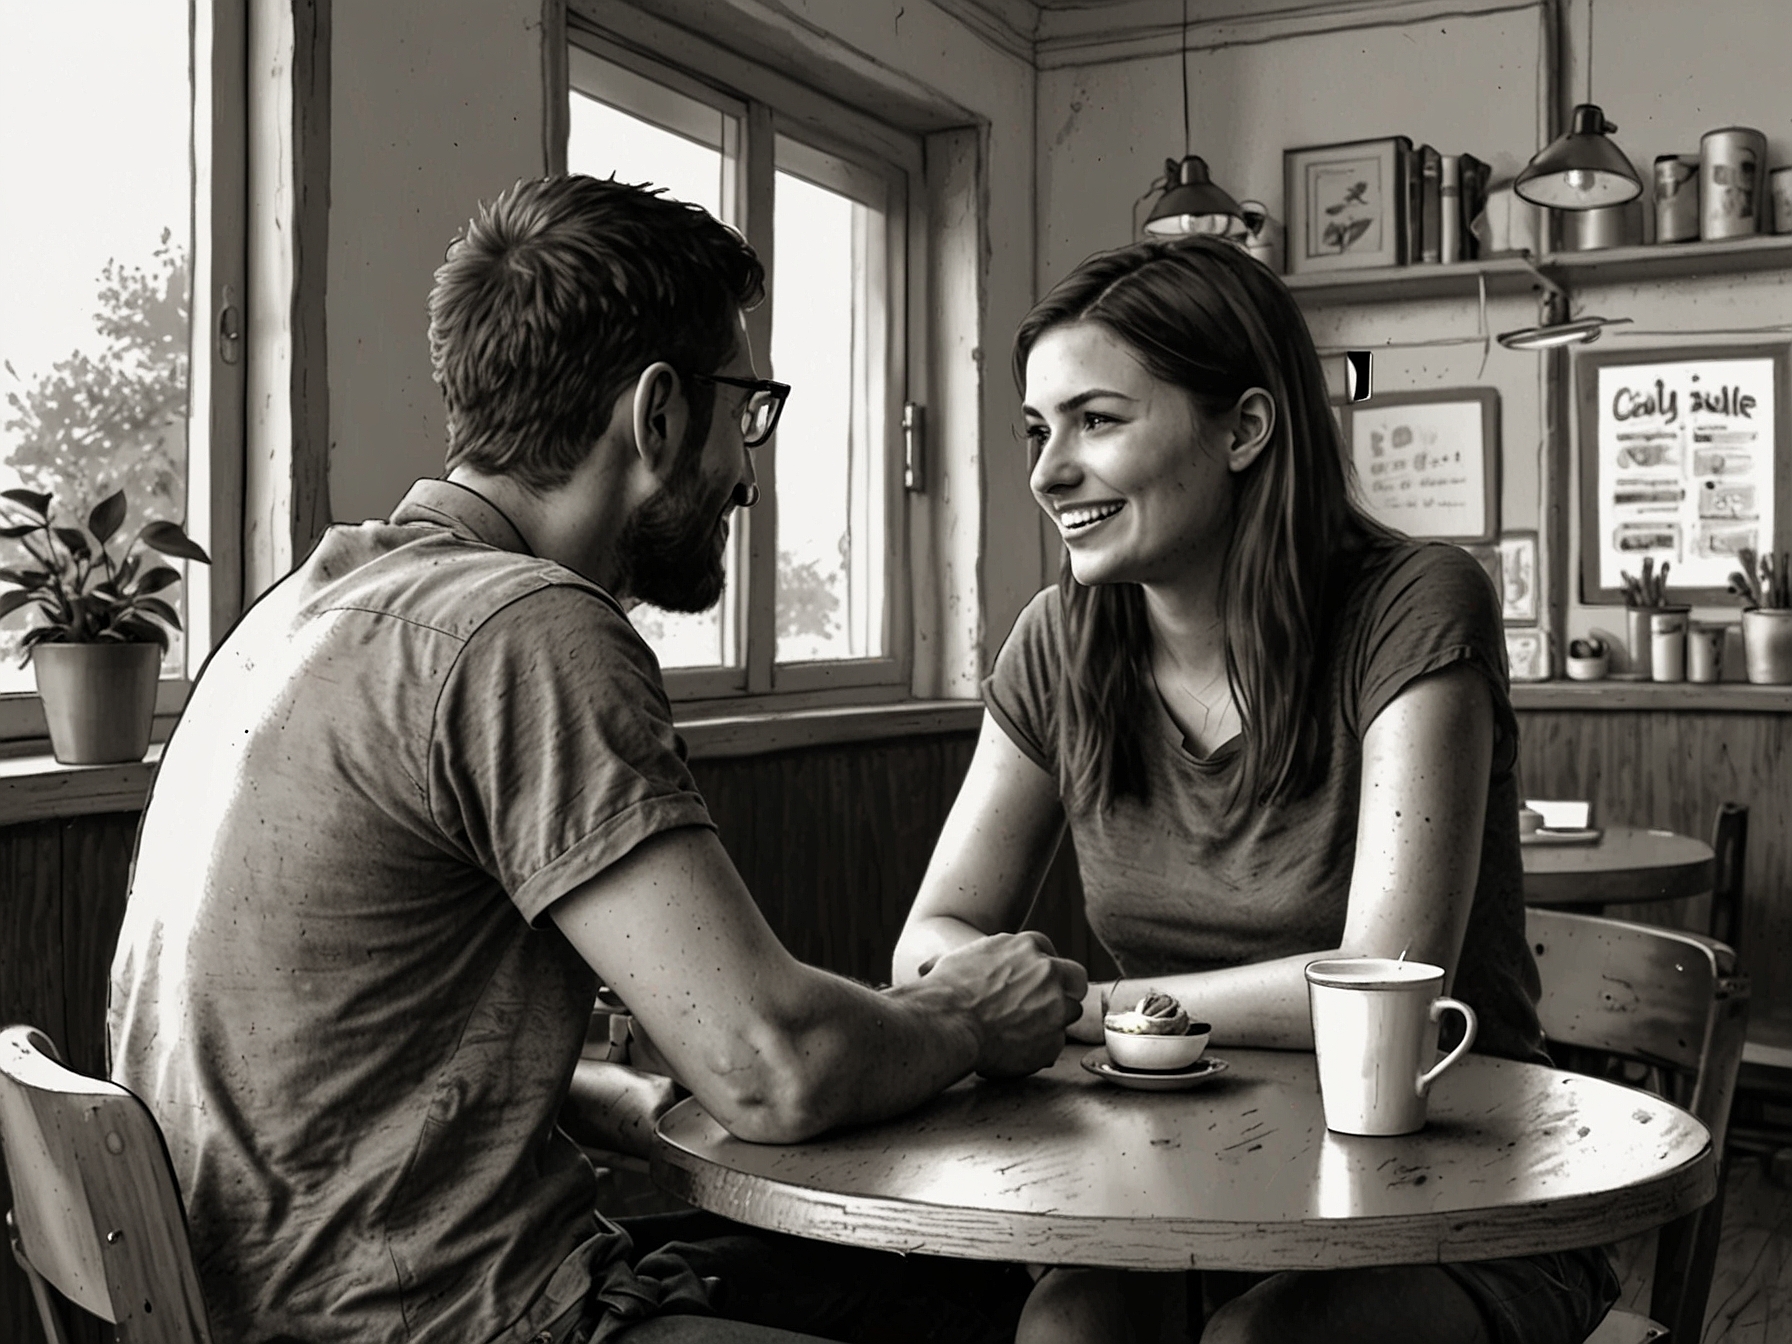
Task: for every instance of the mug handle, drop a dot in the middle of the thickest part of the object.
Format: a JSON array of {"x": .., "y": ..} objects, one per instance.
[{"x": 1439, "y": 1007}]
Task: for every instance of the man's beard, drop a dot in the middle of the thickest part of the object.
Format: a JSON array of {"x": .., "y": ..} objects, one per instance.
[{"x": 673, "y": 544}]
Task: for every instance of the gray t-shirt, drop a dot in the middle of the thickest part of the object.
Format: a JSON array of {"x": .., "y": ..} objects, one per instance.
[
  {"x": 336, "y": 987},
  {"x": 1187, "y": 883}
]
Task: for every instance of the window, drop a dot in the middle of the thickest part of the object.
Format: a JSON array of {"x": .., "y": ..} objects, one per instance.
[
  {"x": 816, "y": 598},
  {"x": 110, "y": 179}
]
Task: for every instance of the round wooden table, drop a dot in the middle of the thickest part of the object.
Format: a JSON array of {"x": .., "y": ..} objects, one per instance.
[
  {"x": 1627, "y": 864},
  {"x": 1240, "y": 1173}
]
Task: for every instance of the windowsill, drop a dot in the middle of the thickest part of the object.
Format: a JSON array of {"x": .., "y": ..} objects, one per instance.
[
  {"x": 37, "y": 787},
  {"x": 1653, "y": 696}
]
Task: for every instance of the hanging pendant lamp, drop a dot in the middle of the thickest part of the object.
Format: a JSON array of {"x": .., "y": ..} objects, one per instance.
[
  {"x": 1191, "y": 203},
  {"x": 1581, "y": 170}
]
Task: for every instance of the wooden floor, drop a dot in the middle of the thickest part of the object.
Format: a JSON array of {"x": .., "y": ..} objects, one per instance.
[{"x": 1751, "y": 1289}]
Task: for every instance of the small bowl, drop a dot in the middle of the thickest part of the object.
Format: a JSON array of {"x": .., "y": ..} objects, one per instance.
[
  {"x": 1588, "y": 669},
  {"x": 1157, "y": 1054}
]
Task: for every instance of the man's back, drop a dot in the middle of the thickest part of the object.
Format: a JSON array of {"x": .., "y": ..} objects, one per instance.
[{"x": 328, "y": 988}]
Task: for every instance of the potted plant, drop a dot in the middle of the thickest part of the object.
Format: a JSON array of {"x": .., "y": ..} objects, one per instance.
[
  {"x": 1765, "y": 588},
  {"x": 97, "y": 649}
]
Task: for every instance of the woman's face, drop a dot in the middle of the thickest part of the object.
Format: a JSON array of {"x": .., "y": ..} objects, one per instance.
[{"x": 1136, "y": 477}]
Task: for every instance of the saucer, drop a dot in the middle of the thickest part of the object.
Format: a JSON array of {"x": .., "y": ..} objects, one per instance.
[{"x": 1098, "y": 1063}]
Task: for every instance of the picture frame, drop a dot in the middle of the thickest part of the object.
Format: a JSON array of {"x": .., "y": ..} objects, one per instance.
[
  {"x": 1527, "y": 654},
  {"x": 1346, "y": 204},
  {"x": 1517, "y": 580},
  {"x": 1685, "y": 457},
  {"x": 1427, "y": 463}
]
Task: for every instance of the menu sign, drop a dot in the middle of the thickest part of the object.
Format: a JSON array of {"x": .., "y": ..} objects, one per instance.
[{"x": 1684, "y": 451}]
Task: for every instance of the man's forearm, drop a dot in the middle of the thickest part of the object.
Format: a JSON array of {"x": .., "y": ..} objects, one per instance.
[{"x": 849, "y": 1055}]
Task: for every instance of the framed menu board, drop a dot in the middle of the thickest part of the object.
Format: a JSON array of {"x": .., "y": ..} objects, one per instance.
[
  {"x": 1427, "y": 463},
  {"x": 1683, "y": 459}
]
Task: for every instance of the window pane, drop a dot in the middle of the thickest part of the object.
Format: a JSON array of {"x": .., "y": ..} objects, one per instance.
[
  {"x": 95, "y": 139},
  {"x": 829, "y": 339},
  {"x": 689, "y": 148}
]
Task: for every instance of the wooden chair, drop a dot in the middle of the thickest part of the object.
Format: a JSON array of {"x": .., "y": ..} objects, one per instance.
[
  {"x": 96, "y": 1218},
  {"x": 1729, "y": 841},
  {"x": 1676, "y": 1002}
]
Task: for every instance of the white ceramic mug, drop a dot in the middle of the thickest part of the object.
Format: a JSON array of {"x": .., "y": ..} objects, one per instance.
[{"x": 1375, "y": 1036}]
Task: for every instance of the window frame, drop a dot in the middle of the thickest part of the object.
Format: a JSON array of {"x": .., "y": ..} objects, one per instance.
[
  {"x": 218, "y": 153},
  {"x": 826, "y": 127}
]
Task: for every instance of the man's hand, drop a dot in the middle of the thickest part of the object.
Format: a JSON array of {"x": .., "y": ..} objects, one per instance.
[{"x": 1018, "y": 995}]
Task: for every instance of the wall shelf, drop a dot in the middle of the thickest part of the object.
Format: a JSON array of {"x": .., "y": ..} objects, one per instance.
[
  {"x": 1518, "y": 273},
  {"x": 1513, "y": 274},
  {"x": 1665, "y": 261},
  {"x": 1651, "y": 696}
]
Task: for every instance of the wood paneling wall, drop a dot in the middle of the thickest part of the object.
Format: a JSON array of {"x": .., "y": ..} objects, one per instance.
[
  {"x": 1673, "y": 770},
  {"x": 62, "y": 886}
]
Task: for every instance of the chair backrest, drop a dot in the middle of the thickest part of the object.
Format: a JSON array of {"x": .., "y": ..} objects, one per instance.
[
  {"x": 96, "y": 1213},
  {"x": 1675, "y": 1001},
  {"x": 1729, "y": 841},
  {"x": 1672, "y": 999}
]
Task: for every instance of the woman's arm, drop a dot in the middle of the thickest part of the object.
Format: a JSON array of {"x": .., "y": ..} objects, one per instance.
[
  {"x": 1427, "y": 759},
  {"x": 991, "y": 856}
]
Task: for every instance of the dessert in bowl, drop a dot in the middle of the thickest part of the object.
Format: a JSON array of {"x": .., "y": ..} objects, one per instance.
[{"x": 1154, "y": 1036}]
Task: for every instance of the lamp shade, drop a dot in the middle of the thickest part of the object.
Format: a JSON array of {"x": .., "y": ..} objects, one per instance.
[
  {"x": 1191, "y": 203},
  {"x": 1581, "y": 170}
]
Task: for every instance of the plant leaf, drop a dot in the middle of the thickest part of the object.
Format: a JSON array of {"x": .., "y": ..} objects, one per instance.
[
  {"x": 136, "y": 630},
  {"x": 106, "y": 517},
  {"x": 170, "y": 540},
  {"x": 159, "y": 609},
  {"x": 25, "y": 578},
  {"x": 11, "y": 602},
  {"x": 30, "y": 499},
  {"x": 20, "y": 529},
  {"x": 153, "y": 580},
  {"x": 76, "y": 541}
]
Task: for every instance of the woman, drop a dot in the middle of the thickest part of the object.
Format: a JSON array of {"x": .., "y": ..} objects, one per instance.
[{"x": 1276, "y": 731}]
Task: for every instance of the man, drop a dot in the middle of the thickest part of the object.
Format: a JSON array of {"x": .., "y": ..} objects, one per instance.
[{"x": 428, "y": 792}]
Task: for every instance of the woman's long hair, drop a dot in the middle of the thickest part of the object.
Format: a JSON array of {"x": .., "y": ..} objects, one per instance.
[{"x": 1201, "y": 314}]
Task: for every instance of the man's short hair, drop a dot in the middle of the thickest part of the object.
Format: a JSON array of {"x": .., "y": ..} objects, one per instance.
[{"x": 555, "y": 298}]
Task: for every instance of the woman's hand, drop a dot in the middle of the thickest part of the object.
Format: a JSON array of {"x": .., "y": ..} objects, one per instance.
[{"x": 1087, "y": 1028}]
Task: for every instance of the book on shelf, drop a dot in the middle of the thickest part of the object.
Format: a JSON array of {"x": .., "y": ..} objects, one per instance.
[
  {"x": 1449, "y": 208},
  {"x": 1430, "y": 204},
  {"x": 1472, "y": 178},
  {"x": 1409, "y": 195}
]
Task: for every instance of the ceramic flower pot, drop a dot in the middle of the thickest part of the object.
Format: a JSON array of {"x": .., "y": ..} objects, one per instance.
[
  {"x": 1767, "y": 645},
  {"x": 99, "y": 699}
]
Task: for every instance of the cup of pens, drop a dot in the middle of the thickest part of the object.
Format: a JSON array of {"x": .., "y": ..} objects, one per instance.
[
  {"x": 1764, "y": 584},
  {"x": 1643, "y": 598}
]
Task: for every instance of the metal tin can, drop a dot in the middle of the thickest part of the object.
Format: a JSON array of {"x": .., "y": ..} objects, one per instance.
[
  {"x": 1780, "y": 189},
  {"x": 1676, "y": 198},
  {"x": 1732, "y": 174}
]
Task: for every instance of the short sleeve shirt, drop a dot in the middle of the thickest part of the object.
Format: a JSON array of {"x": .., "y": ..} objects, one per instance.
[
  {"x": 335, "y": 986},
  {"x": 1188, "y": 882}
]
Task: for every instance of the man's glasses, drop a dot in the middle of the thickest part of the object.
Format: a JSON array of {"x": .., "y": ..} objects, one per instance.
[{"x": 759, "y": 417}]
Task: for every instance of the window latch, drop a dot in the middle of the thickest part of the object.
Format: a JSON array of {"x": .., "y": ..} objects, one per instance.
[
  {"x": 230, "y": 327},
  {"x": 914, "y": 447}
]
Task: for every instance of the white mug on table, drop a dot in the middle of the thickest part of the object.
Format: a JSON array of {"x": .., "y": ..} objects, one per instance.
[{"x": 1375, "y": 1036}]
